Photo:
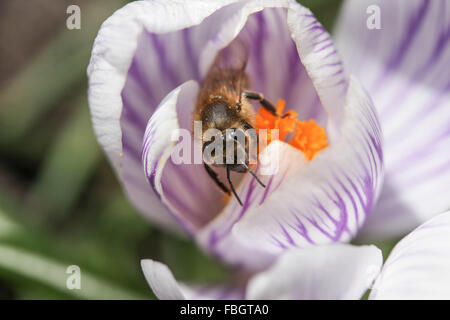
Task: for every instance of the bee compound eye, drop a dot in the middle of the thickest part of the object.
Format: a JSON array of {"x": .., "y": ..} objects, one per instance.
[{"x": 238, "y": 107}]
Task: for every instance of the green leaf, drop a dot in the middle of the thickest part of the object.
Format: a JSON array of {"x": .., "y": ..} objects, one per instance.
[
  {"x": 53, "y": 274},
  {"x": 326, "y": 11},
  {"x": 68, "y": 165}
]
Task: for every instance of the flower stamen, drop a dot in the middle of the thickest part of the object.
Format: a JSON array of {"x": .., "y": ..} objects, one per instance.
[{"x": 307, "y": 136}]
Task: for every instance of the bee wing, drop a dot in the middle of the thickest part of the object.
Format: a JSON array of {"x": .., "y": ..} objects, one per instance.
[
  {"x": 228, "y": 68},
  {"x": 232, "y": 57}
]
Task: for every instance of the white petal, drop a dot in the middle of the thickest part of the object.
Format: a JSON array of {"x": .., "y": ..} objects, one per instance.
[
  {"x": 193, "y": 199},
  {"x": 161, "y": 280},
  {"x": 402, "y": 66},
  {"x": 322, "y": 62},
  {"x": 336, "y": 271},
  {"x": 419, "y": 265},
  {"x": 275, "y": 66},
  {"x": 186, "y": 190},
  {"x": 118, "y": 42},
  {"x": 141, "y": 54},
  {"x": 114, "y": 49},
  {"x": 326, "y": 201},
  {"x": 305, "y": 203},
  {"x": 166, "y": 287}
]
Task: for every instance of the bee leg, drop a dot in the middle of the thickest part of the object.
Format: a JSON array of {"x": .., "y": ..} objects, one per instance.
[
  {"x": 213, "y": 176},
  {"x": 248, "y": 126},
  {"x": 265, "y": 103},
  {"x": 231, "y": 185}
]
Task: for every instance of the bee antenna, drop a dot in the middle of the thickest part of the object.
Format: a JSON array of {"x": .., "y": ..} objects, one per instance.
[
  {"x": 232, "y": 187},
  {"x": 254, "y": 175},
  {"x": 250, "y": 170}
]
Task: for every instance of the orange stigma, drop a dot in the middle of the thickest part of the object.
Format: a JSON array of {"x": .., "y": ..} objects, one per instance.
[{"x": 307, "y": 136}]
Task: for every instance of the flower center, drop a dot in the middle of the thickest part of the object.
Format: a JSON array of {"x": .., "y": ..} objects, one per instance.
[{"x": 307, "y": 136}]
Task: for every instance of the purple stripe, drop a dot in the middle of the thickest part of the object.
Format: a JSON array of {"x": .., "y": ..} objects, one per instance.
[
  {"x": 165, "y": 67},
  {"x": 278, "y": 242},
  {"x": 352, "y": 200},
  {"x": 266, "y": 190},
  {"x": 301, "y": 229},
  {"x": 130, "y": 115},
  {"x": 129, "y": 149},
  {"x": 412, "y": 29},
  {"x": 317, "y": 50},
  {"x": 287, "y": 235},
  {"x": 259, "y": 53},
  {"x": 192, "y": 59},
  {"x": 215, "y": 237},
  {"x": 330, "y": 54}
]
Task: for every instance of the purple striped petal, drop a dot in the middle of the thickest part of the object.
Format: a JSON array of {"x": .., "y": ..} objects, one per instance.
[
  {"x": 323, "y": 202},
  {"x": 403, "y": 67},
  {"x": 419, "y": 265},
  {"x": 188, "y": 192},
  {"x": 186, "y": 189},
  {"x": 275, "y": 67},
  {"x": 155, "y": 66},
  {"x": 322, "y": 63},
  {"x": 136, "y": 61},
  {"x": 305, "y": 203},
  {"x": 338, "y": 271},
  {"x": 166, "y": 287},
  {"x": 329, "y": 272},
  {"x": 129, "y": 75}
]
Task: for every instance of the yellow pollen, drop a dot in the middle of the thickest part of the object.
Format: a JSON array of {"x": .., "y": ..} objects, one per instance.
[{"x": 307, "y": 136}]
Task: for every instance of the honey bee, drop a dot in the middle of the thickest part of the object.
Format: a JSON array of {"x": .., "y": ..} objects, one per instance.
[{"x": 223, "y": 103}]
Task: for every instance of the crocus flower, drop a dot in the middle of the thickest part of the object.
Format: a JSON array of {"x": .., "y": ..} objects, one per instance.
[
  {"x": 148, "y": 60},
  {"x": 417, "y": 268}
]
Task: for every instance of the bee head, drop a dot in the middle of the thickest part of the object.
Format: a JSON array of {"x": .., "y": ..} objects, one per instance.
[
  {"x": 220, "y": 115},
  {"x": 228, "y": 148}
]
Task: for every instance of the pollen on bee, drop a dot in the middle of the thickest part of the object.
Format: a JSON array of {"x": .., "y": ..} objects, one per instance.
[
  {"x": 225, "y": 198},
  {"x": 307, "y": 136}
]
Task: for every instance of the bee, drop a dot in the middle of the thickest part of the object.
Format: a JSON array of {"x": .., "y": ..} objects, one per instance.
[{"x": 223, "y": 103}]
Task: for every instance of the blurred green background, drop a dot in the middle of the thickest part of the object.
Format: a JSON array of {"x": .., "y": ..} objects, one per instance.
[{"x": 60, "y": 203}]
